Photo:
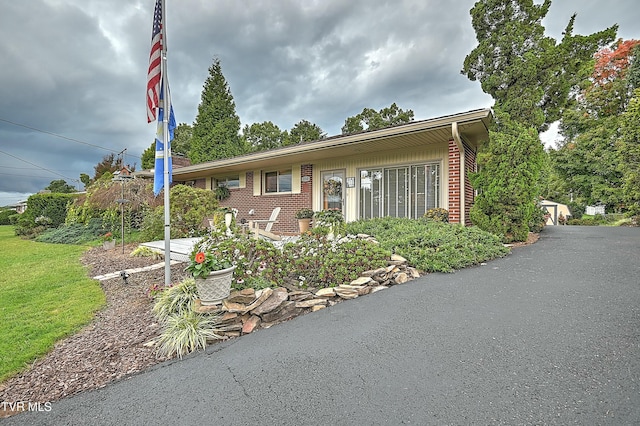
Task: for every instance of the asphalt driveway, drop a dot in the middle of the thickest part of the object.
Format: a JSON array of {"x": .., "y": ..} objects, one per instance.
[{"x": 548, "y": 335}]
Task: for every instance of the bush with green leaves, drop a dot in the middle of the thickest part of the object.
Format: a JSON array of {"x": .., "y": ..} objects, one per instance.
[
  {"x": 5, "y": 216},
  {"x": 437, "y": 214},
  {"x": 432, "y": 246},
  {"x": 44, "y": 211},
  {"x": 316, "y": 261},
  {"x": 189, "y": 208},
  {"x": 76, "y": 233}
]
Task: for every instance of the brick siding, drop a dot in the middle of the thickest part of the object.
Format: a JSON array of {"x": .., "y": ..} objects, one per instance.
[
  {"x": 244, "y": 200},
  {"x": 454, "y": 182}
]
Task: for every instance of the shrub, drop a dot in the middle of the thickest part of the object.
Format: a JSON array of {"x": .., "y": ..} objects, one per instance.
[
  {"x": 432, "y": 246},
  {"x": 5, "y": 216},
  {"x": 76, "y": 233},
  {"x": 186, "y": 332},
  {"x": 319, "y": 262},
  {"x": 437, "y": 215},
  {"x": 189, "y": 208},
  {"x": 176, "y": 300},
  {"x": 43, "y": 211}
]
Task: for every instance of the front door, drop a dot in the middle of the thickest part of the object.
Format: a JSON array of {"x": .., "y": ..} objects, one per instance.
[{"x": 333, "y": 190}]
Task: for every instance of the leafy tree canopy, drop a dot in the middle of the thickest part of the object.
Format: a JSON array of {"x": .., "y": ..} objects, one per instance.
[
  {"x": 60, "y": 187},
  {"x": 305, "y": 131},
  {"x": 180, "y": 145},
  {"x": 263, "y": 136},
  {"x": 109, "y": 164},
  {"x": 370, "y": 119}
]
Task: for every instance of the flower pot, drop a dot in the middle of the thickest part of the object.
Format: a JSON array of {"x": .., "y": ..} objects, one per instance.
[
  {"x": 303, "y": 224},
  {"x": 215, "y": 287},
  {"x": 109, "y": 245}
]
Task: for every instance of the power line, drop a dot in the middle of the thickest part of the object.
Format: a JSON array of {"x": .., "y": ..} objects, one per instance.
[
  {"x": 35, "y": 165},
  {"x": 56, "y": 135}
]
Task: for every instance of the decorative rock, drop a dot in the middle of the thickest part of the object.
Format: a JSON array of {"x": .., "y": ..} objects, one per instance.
[
  {"x": 252, "y": 323},
  {"x": 245, "y": 296},
  {"x": 311, "y": 303},
  {"x": 285, "y": 311},
  {"x": 346, "y": 293},
  {"x": 298, "y": 296},
  {"x": 401, "y": 278},
  {"x": 317, "y": 308},
  {"x": 326, "y": 292},
  {"x": 228, "y": 316},
  {"x": 378, "y": 288},
  {"x": 361, "y": 281},
  {"x": 262, "y": 295},
  {"x": 398, "y": 258},
  {"x": 278, "y": 296},
  {"x": 233, "y": 307},
  {"x": 413, "y": 272},
  {"x": 374, "y": 272},
  {"x": 205, "y": 309}
]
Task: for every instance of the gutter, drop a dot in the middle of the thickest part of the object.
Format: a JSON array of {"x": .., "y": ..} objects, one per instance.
[{"x": 456, "y": 137}]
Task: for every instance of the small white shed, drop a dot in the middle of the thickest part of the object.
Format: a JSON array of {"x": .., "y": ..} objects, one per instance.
[{"x": 555, "y": 210}]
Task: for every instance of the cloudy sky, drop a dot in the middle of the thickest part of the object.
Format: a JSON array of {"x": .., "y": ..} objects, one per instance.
[{"x": 73, "y": 73}]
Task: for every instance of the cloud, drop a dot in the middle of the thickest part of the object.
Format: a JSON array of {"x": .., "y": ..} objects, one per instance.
[{"x": 77, "y": 68}]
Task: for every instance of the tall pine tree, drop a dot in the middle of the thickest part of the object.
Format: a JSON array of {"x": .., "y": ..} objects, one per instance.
[{"x": 217, "y": 126}]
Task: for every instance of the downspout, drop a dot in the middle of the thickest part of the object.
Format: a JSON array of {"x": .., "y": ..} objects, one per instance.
[{"x": 456, "y": 137}]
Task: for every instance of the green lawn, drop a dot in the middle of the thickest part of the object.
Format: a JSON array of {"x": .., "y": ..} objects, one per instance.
[{"x": 45, "y": 295}]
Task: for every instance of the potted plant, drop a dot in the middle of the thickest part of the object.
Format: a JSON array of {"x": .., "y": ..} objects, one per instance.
[
  {"x": 222, "y": 193},
  {"x": 304, "y": 217},
  {"x": 213, "y": 273},
  {"x": 108, "y": 242}
]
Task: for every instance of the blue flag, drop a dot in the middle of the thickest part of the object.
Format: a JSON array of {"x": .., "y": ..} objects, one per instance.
[{"x": 158, "y": 176}]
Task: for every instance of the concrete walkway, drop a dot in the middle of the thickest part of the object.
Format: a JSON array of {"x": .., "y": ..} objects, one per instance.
[
  {"x": 180, "y": 247},
  {"x": 548, "y": 335}
]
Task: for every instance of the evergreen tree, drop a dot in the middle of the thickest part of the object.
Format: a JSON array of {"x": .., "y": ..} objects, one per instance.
[
  {"x": 217, "y": 126},
  {"x": 507, "y": 204}
]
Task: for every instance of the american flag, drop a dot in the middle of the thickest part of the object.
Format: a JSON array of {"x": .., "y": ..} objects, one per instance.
[{"x": 154, "y": 75}]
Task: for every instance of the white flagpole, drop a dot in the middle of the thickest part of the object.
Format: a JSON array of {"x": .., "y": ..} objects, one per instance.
[{"x": 167, "y": 151}]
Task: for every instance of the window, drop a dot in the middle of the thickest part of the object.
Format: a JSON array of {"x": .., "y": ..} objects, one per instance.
[
  {"x": 231, "y": 181},
  {"x": 407, "y": 191},
  {"x": 278, "y": 181}
]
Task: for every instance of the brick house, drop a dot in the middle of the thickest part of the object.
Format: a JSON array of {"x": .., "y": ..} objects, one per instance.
[{"x": 400, "y": 171}]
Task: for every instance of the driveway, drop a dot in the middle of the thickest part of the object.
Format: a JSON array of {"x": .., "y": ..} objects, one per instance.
[{"x": 547, "y": 335}]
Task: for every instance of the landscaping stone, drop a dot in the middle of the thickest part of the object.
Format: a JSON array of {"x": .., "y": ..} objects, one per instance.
[
  {"x": 361, "y": 281},
  {"x": 285, "y": 311},
  {"x": 326, "y": 292},
  {"x": 278, "y": 296},
  {"x": 245, "y": 296},
  {"x": 311, "y": 303},
  {"x": 252, "y": 323},
  {"x": 261, "y": 296}
]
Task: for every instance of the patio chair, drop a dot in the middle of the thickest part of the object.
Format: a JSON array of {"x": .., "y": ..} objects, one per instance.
[{"x": 254, "y": 225}]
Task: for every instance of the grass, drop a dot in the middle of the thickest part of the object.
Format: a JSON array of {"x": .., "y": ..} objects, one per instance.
[{"x": 45, "y": 295}]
